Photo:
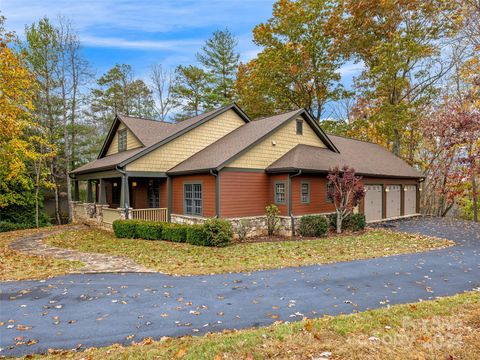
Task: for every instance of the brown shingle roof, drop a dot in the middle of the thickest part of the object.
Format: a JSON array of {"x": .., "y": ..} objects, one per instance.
[
  {"x": 214, "y": 155},
  {"x": 366, "y": 158},
  {"x": 146, "y": 130},
  {"x": 107, "y": 162}
]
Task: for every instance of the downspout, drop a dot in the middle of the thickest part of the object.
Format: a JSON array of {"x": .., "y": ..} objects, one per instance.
[
  {"x": 290, "y": 176},
  {"x": 125, "y": 192},
  {"x": 217, "y": 192}
]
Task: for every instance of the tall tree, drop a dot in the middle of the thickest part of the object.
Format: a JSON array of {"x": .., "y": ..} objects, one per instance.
[
  {"x": 162, "y": 85},
  {"x": 191, "y": 91},
  {"x": 298, "y": 65},
  {"x": 220, "y": 58},
  {"x": 400, "y": 44}
]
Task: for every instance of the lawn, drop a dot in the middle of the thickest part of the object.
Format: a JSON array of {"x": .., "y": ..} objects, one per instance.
[
  {"x": 18, "y": 266},
  {"x": 447, "y": 328},
  {"x": 185, "y": 259}
]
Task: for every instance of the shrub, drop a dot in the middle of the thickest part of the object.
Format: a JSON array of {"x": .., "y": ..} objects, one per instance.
[
  {"x": 149, "y": 230},
  {"x": 9, "y": 226},
  {"x": 313, "y": 225},
  {"x": 174, "y": 232},
  {"x": 196, "y": 235},
  {"x": 353, "y": 222},
  {"x": 243, "y": 228},
  {"x": 218, "y": 232},
  {"x": 273, "y": 221},
  {"x": 125, "y": 229}
]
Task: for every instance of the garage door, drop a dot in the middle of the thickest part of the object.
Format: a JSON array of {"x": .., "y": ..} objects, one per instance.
[
  {"x": 373, "y": 202},
  {"x": 410, "y": 199},
  {"x": 393, "y": 200}
]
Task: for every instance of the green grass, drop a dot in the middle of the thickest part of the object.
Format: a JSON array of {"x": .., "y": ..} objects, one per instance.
[
  {"x": 185, "y": 259},
  {"x": 15, "y": 265},
  {"x": 447, "y": 328}
]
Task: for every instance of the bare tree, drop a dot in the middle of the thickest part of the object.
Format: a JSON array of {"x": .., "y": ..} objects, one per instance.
[{"x": 162, "y": 83}]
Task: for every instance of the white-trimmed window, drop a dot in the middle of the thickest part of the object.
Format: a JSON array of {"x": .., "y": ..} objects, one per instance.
[
  {"x": 192, "y": 194},
  {"x": 122, "y": 140},
  {"x": 304, "y": 192},
  {"x": 299, "y": 127},
  {"x": 280, "y": 193}
]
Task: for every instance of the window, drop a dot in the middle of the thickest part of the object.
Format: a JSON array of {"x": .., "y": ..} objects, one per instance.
[
  {"x": 192, "y": 194},
  {"x": 299, "y": 127},
  {"x": 327, "y": 195},
  {"x": 304, "y": 192},
  {"x": 153, "y": 194},
  {"x": 280, "y": 197},
  {"x": 122, "y": 140}
]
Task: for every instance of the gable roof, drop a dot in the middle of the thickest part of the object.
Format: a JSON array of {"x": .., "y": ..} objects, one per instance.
[
  {"x": 217, "y": 155},
  {"x": 152, "y": 134},
  {"x": 366, "y": 158}
]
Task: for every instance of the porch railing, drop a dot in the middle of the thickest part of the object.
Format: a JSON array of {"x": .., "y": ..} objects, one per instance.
[
  {"x": 110, "y": 215},
  {"x": 160, "y": 214}
]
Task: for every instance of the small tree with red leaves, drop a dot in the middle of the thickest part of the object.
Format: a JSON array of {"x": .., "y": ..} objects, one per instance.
[{"x": 345, "y": 190}]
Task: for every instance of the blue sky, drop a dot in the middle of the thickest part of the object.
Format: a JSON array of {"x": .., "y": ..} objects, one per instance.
[{"x": 143, "y": 32}]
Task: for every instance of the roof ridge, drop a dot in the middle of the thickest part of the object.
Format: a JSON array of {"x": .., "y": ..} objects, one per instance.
[
  {"x": 351, "y": 138},
  {"x": 279, "y": 114}
]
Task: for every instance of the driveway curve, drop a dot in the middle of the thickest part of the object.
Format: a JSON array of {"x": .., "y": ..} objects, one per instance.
[{"x": 79, "y": 311}]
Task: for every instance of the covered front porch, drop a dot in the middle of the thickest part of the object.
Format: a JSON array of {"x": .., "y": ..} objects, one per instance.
[{"x": 110, "y": 195}]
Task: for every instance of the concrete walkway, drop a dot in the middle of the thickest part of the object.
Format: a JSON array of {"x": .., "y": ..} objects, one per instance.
[
  {"x": 102, "y": 309},
  {"x": 94, "y": 262}
]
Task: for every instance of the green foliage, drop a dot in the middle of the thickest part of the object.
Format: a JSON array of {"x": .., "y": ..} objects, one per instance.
[
  {"x": 313, "y": 225},
  {"x": 24, "y": 214},
  {"x": 9, "y": 226},
  {"x": 219, "y": 232},
  {"x": 196, "y": 235},
  {"x": 149, "y": 230},
  {"x": 353, "y": 222},
  {"x": 175, "y": 232},
  {"x": 273, "y": 221},
  {"x": 243, "y": 228},
  {"x": 125, "y": 228}
]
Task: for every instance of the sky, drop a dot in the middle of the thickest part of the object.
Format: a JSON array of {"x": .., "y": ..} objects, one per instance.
[{"x": 143, "y": 32}]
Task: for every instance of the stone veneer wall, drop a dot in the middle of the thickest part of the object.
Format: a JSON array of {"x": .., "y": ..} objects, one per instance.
[{"x": 257, "y": 224}]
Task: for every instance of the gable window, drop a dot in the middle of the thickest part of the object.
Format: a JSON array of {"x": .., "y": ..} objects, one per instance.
[
  {"x": 304, "y": 192},
  {"x": 329, "y": 198},
  {"x": 299, "y": 127},
  {"x": 122, "y": 140},
  {"x": 280, "y": 193},
  {"x": 192, "y": 195},
  {"x": 153, "y": 194}
]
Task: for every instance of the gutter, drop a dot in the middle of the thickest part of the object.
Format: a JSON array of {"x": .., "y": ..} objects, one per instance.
[
  {"x": 290, "y": 176},
  {"x": 217, "y": 191}
]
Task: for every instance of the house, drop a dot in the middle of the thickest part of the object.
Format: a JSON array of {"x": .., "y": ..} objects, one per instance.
[{"x": 222, "y": 164}]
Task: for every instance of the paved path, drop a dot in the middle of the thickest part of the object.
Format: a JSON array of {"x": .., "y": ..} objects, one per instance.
[
  {"x": 94, "y": 263},
  {"x": 101, "y": 309}
]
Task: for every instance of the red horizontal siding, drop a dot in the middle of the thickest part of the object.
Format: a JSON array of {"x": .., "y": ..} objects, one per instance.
[
  {"x": 318, "y": 196},
  {"x": 208, "y": 193}
]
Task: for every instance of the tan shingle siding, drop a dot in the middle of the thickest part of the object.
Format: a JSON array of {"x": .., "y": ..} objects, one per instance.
[
  {"x": 132, "y": 141},
  {"x": 286, "y": 138},
  {"x": 176, "y": 151}
]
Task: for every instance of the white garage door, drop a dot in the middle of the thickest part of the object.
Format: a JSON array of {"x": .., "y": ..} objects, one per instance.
[
  {"x": 393, "y": 201},
  {"x": 373, "y": 202},
  {"x": 410, "y": 199}
]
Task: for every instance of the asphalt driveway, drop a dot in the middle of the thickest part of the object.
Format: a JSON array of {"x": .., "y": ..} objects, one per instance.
[{"x": 79, "y": 311}]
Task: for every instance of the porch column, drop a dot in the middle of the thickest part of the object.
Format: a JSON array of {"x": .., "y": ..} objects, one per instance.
[
  {"x": 89, "y": 192},
  {"x": 124, "y": 194},
  {"x": 169, "y": 197},
  {"x": 76, "y": 190},
  {"x": 102, "y": 188}
]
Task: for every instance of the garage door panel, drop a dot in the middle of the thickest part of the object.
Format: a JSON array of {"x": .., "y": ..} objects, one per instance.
[
  {"x": 410, "y": 199},
  {"x": 393, "y": 201},
  {"x": 373, "y": 202}
]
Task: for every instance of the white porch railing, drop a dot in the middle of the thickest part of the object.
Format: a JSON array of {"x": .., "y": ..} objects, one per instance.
[
  {"x": 110, "y": 215},
  {"x": 160, "y": 214}
]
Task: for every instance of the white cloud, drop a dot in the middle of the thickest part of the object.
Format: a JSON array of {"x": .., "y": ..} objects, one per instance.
[
  {"x": 119, "y": 43},
  {"x": 351, "y": 69}
]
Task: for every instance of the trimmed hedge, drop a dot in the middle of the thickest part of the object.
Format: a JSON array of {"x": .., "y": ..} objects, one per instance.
[
  {"x": 353, "y": 222},
  {"x": 9, "y": 226},
  {"x": 218, "y": 232},
  {"x": 125, "y": 229},
  {"x": 196, "y": 235},
  {"x": 313, "y": 225},
  {"x": 174, "y": 232},
  {"x": 149, "y": 230}
]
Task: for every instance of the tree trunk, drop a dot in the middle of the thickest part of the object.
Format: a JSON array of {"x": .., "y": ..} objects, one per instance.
[
  {"x": 475, "y": 198},
  {"x": 339, "y": 223},
  {"x": 396, "y": 142}
]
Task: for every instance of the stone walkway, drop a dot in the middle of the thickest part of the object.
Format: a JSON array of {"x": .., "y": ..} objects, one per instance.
[{"x": 94, "y": 262}]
